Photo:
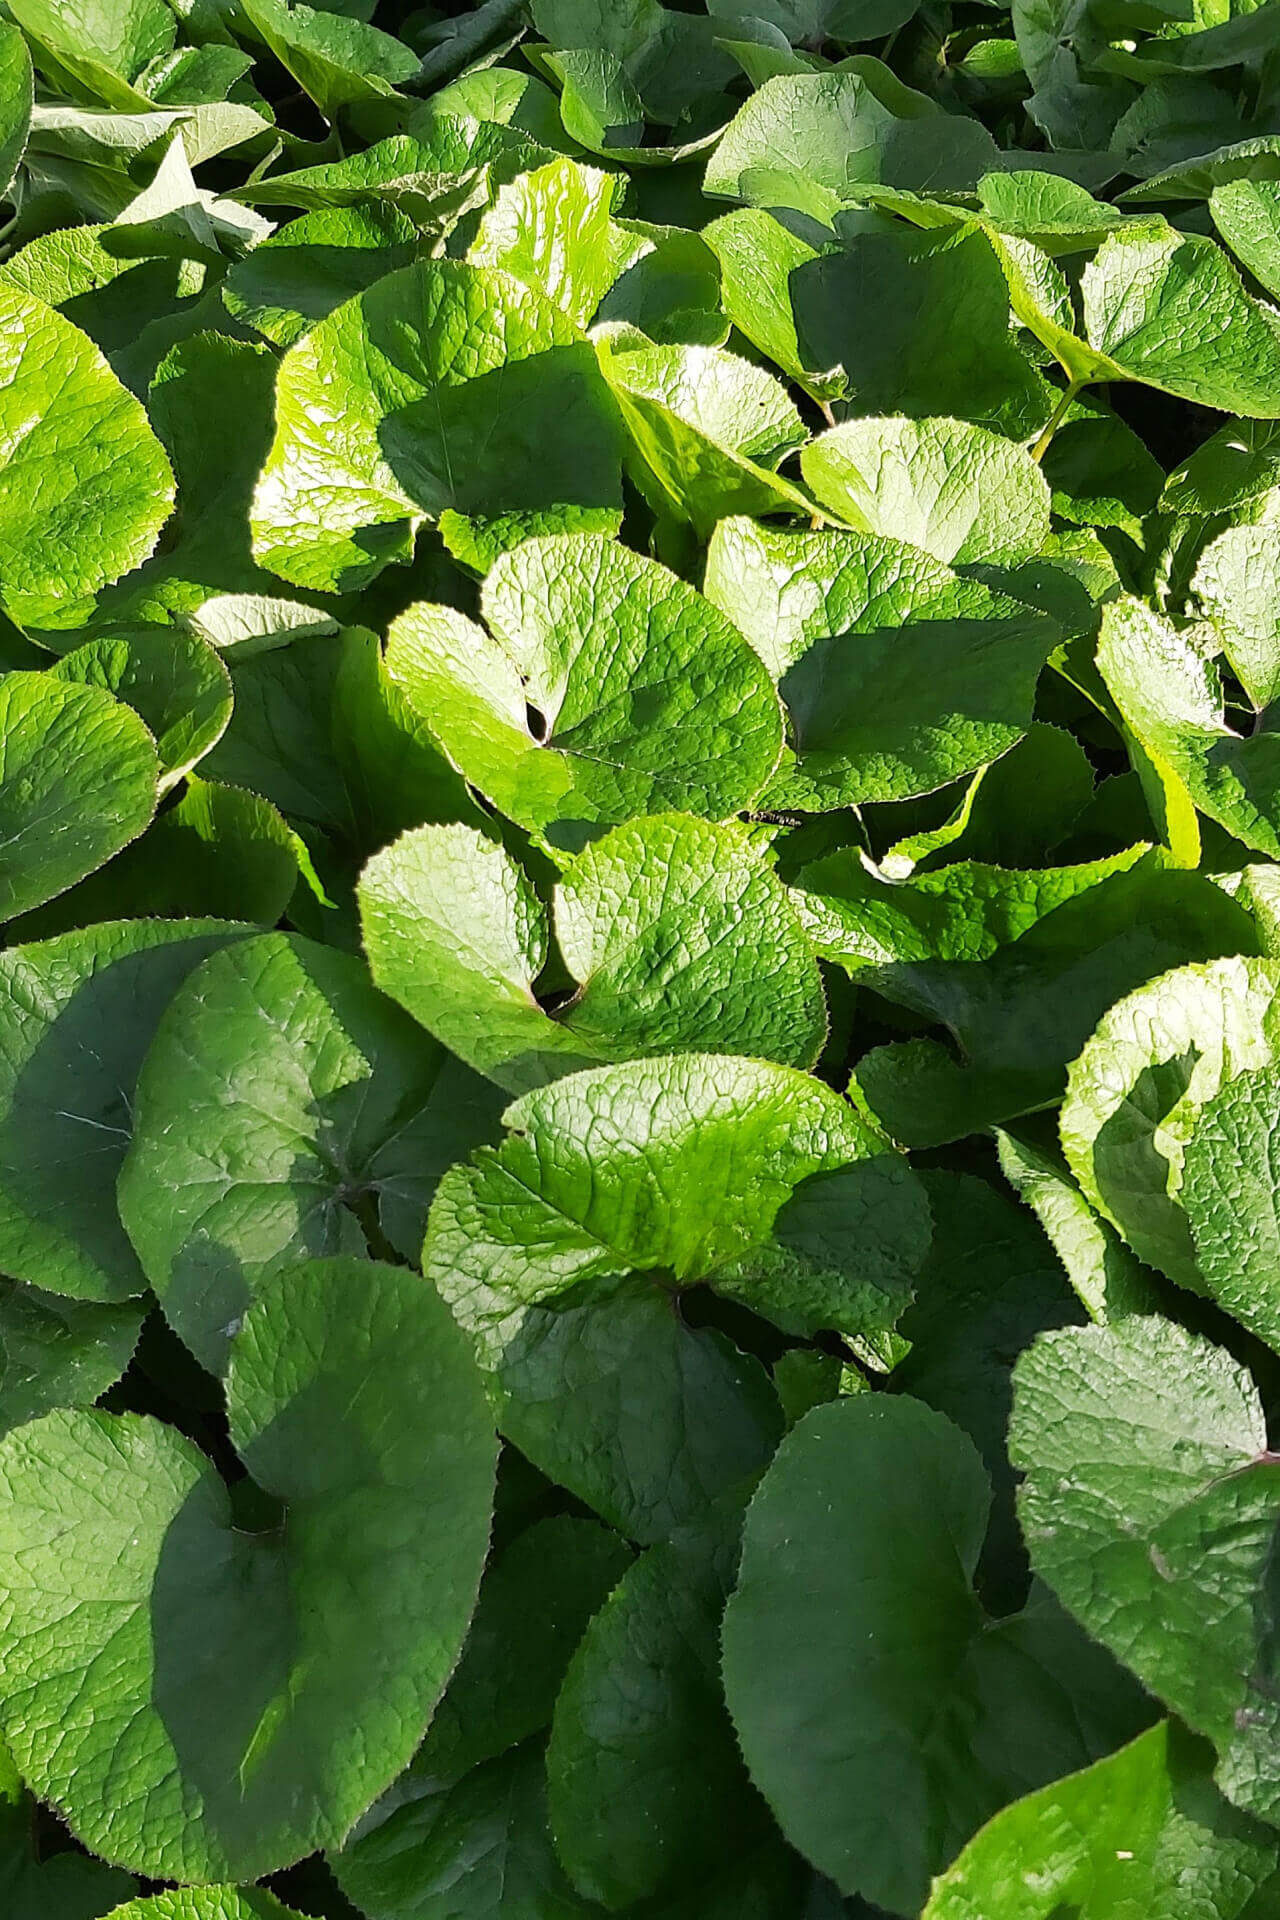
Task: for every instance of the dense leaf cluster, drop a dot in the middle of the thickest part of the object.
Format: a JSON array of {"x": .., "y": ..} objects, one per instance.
[{"x": 640, "y": 1007}]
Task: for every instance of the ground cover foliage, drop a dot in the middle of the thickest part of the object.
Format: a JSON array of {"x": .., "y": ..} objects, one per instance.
[{"x": 640, "y": 1000}]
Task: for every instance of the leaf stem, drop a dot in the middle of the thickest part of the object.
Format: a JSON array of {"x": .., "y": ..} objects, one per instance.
[{"x": 1068, "y": 394}]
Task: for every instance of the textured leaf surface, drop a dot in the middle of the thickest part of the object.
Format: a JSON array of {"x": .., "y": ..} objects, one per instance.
[
  {"x": 476, "y": 1848},
  {"x": 223, "y": 1688},
  {"x": 680, "y": 937},
  {"x": 207, "y": 1903},
  {"x": 1171, "y": 697},
  {"x": 708, "y": 431},
  {"x": 645, "y": 1418},
  {"x": 77, "y": 1014},
  {"x": 59, "y": 1353},
  {"x": 677, "y": 1166},
  {"x": 87, "y": 487},
  {"x": 956, "y": 490},
  {"x": 874, "y": 1699},
  {"x": 1149, "y": 1505},
  {"x": 1142, "y": 1832},
  {"x": 646, "y": 1788},
  {"x": 462, "y": 388},
  {"x": 174, "y": 682},
  {"x": 604, "y": 687},
  {"x": 897, "y": 675},
  {"x": 1168, "y": 308},
  {"x": 78, "y": 781},
  {"x": 285, "y": 1108},
  {"x": 1230, "y": 1193},
  {"x": 1136, "y": 1092}
]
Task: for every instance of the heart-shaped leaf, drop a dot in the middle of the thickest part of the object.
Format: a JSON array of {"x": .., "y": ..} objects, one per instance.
[
  {"x": 173, "y": 681},
  {"x": 896, "y": 674},
  {"x": 87, "y": 487},
  {"x": 285, "y": 1108},
  {"x": 1136, "y": 1093},
  {"x": 678, "y": 933},
  {"x": 258, "y": 1730},
  {"x": 605, "y": 687},
  {"x": 882, "y": 1713},
  {"x": 77, "y": 1014},
  {"x": 1150, "y": 1506},
  {"x": 463, "y": 389},
  {"x": 78, "y": 781}
]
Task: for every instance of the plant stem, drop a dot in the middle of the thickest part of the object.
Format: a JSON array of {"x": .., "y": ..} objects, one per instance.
[{"x": 1069, "y": 393}]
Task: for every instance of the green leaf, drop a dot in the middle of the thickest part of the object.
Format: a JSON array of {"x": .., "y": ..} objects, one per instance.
[
  {"x": 536, "y": 1602},
  {"x": 59, "y": 1353},
  {"x": 121, "y": 37},
  {"x": 1170, "y": 696},
  {"x": 243, "y": 1705},
  {"x": 60, "y": 1886},
  {"x": 463, "y": 389},
  {"x": 1143, "y": 1831},
  {"x": 646, "y": 1788},
  {"x": 990, "y": 1284},
  {"x": 1107, "y": 1279},
  {"x": 923, "y": 1096},
  {"x": 679, "y": 935},
  {"x": 446, "y": 167},
  {"x": 314, "y": 264},
  {"x": 322, "y": 730},
  {"x": 949, "y": 352},
  {"x": 1054, "y": 213},
  {"x": 554, "y": 230},
  {"x": 707, "y": 432},
  {"x": 859, "y": 917},
  {"x": 1028, "y": 1009},
  {"x": 78, "y": 774},
  {"x": 339, "y": 62},
  {"x": 1168, "y": 308},
  {"x": 111, "y": 295},
  {"x": 455, "y": 931},
  {"x": 1149, "y": 1505},
  {"x": 215, "y": 850},
  {"x": 810, "y": 22},
  {"x": 86, "y": 485},
  {"x": 1247, "y": 215},
  {"x": 77, "y": 1014},
  {"x": 1137, "y": 1091},
  {"x": 17, "y": 94},
  {"x": 669, "y": 288},
  {"x": 1235, "y": 583},
  {"x": 172, "y": 680},
  {"x": 501, "y": 96},
  {"x": 956, "y": 490},
  {"x": 211, "y": 401},
  {"x": 605, "y": 687},
  {"x": 810, "y": 140},
  {"x": 897, "y": 675},
  {"x": 1229, "y": 1192},
  {"x": 1099, "y": 472},
  {"x": 647, "y": 1419},
  {"x": 882, "y": 1713},
  {"x": 475, "y": 1848},
  {"x": 285, "y": 1109},
  {"x": 678, "y": 1167},
  {"x": 1232, "y": 468},
  {"x": 1195, "y": 179},
  {"x": 759, "y": 256},
  {"x": 208, "y": 1903}
]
